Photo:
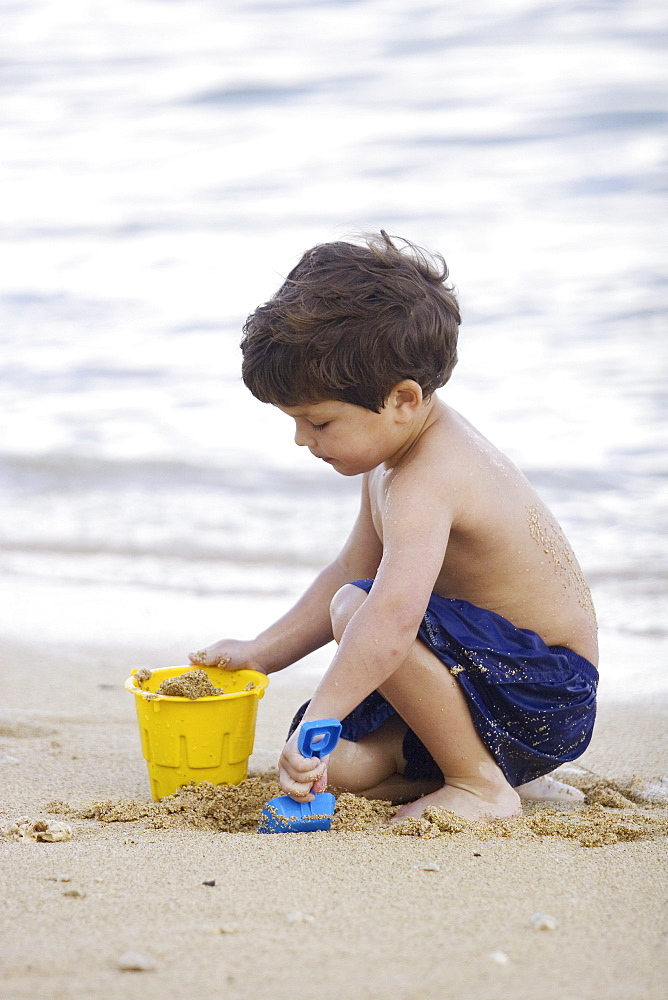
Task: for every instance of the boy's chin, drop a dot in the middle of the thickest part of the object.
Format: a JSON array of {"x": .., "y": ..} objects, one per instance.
[{"x": 343, "y": 470}]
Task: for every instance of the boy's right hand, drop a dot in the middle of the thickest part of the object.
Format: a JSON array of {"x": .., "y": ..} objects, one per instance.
[
  {"x": 301, "y": 777},
  {"x": 233, "y": 654}
]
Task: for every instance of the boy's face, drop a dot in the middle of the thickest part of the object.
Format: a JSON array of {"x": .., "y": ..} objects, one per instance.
[{"x": 350, "y": 438}]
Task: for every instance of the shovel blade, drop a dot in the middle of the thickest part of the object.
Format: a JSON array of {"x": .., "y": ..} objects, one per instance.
[{"x": 284, "y": 815}]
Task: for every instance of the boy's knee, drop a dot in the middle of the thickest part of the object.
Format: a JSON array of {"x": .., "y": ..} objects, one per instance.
[
  {"x": 354, "y": 767},
  {"x": 343, "y": 606},
  {"x": 340, "y": 767}
]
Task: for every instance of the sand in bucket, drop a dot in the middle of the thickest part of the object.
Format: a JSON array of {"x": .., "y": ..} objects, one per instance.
[{"x": 197, "y": 739}]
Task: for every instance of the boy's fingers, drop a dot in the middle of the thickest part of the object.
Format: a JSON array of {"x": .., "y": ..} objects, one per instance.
[
  {"x": 305, "y": 780},
  {"x": 297, "y": 790},
  {"x": 321, "y": 784},
  {"x": 203, "y": 658},
  {"x": 301, "y": 796},
  {"x": 306, "y": 769}
]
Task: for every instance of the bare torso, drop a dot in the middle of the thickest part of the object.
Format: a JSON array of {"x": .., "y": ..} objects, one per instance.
[{"x": 506, "y": 552}]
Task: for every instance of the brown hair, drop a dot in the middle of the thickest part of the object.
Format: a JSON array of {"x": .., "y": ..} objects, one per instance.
[{"x": 349, "y": 323}]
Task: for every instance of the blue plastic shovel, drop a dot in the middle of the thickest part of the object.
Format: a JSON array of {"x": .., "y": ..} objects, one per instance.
[{"x": 285, "y": 815}]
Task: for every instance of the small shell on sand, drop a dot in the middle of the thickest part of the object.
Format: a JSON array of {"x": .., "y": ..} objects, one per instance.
[
  {"x": 132, "y": 961},
  {"x": 297, "y": 917},
  {"x": 41, "y": 830},
  {"x": 543, "y": 922},
  {"x": 499, "y": 957},
  {"x": 428, "y": 866}
]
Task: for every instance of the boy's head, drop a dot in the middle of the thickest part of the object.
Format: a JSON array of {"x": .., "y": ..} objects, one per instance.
[{"x": 349, "y": 323}]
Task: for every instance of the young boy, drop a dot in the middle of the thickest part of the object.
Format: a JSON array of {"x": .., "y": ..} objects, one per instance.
[{"x": 466, "y": 634}]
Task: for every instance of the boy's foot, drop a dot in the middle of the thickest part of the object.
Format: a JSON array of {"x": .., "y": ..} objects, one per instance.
[
  {"x": 547, "y": 789},
  {"x": 503, "y": 803}
]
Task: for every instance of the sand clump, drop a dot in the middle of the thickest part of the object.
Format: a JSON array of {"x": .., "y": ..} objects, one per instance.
[
  {"x": 593, "y": 825},
  {"x": 616, "y": 793},
  {"x": 357, "y": 814},
  {"x": 221, "y": 808},
  {"x": 192, "y": 684}
]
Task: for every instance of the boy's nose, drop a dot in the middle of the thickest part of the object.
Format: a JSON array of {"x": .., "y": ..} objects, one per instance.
[{"x": 302, "y": 433}]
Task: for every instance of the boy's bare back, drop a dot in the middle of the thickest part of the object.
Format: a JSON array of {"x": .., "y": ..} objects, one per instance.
[{"x": 505, "y": 551}]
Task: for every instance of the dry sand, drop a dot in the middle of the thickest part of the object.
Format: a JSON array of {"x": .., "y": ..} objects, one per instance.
[{"x": 154, "y": 901}]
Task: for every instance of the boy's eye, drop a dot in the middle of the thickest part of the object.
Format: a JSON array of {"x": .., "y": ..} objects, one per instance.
[{"x": 319, "y": 427}]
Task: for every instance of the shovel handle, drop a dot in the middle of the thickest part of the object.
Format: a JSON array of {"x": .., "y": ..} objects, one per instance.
[{"x": 307, "y": 742}]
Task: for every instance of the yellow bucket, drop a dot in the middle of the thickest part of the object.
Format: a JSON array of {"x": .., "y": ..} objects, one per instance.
[{"x": 205, "y": 739}]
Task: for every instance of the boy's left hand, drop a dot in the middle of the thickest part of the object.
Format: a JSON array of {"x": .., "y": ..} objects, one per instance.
[{"x": 301, "y": 777}]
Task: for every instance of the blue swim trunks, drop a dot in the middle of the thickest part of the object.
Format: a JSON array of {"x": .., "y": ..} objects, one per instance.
[{"x": 533, "y": 705}]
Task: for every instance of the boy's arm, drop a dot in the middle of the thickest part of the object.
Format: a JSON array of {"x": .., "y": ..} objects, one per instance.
[
  {"x": 306, "y": 626},
  {"x": 416, "y": 528},
  {"x": 381, "y": 632}
]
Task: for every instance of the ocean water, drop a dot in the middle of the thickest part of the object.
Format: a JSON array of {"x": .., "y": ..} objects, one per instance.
[{"x": 165, "y": 163}]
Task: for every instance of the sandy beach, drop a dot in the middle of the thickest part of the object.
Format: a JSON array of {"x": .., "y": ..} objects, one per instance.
[{"x": 359, "y": 913}]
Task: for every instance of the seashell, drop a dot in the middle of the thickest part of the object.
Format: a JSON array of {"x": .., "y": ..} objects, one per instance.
[
  {"x": 499, "y": 957},
  {"x": 543, "y": 922},
  {"x": 297, "y": 917},
  {"x": 41, "y": 830},
  {"x": 132, "y": 961},
  {"x": 55, "y": 833},
  {"x": 428, "y": 866}
]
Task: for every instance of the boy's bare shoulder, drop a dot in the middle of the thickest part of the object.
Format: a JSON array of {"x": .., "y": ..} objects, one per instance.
[
  {"x": 454, "y": 473},
  {"x": 458, "y": 458}
]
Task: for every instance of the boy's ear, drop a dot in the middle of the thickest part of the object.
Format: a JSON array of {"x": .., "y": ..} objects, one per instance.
[{"x": 406, "y": 398}]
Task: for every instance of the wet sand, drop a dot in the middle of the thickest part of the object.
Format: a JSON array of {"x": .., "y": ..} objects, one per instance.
[{"x": 352, "y": 912}]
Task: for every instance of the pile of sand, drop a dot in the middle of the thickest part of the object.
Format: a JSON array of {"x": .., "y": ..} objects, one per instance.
[
  {"x": 592, "y": 826},
  {"x": 625, "y": 794},
  {"x": 192, "y": 684},
  {"x": 224, "y": 808},
  {"x": 238, "y": 808}
]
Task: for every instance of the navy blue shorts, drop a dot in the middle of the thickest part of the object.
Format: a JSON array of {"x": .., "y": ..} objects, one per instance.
[{"x": 533, "y": 705}]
